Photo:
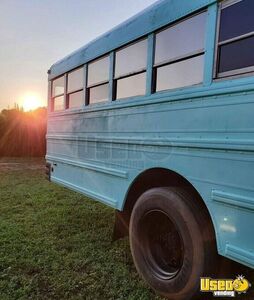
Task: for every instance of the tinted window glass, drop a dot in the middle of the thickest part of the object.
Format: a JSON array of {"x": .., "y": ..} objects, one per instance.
[
  {"x": 58, "y": 86},
  {"x": 76, "y": 100},
  {"x": 131, "y": 59},
  {"x": 58, "y": 103},
  {"x": 99, "y": 93},
  {"x": 237, "y": 55},
  {"x": 131, "y": 86},
  {"x": 237, "y": 19},
  {"x": 181, "y": 39},
  {"x": 98, "y": 71},
  {"x": 181, "y": 74},
  {"x": 75, "y": 80}
]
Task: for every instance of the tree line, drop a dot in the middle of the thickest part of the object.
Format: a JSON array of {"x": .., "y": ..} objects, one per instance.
[{"x": 23, "y": 133}]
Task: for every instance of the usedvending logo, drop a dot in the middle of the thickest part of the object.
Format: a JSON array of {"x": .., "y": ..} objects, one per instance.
[{"x": 225, "y": 287}]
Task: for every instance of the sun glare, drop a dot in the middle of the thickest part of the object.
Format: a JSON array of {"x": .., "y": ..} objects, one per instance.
[{"x": 31, "y": 101}]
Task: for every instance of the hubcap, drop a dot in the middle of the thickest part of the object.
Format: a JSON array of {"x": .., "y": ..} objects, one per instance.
[{"x": 162, "y": 244}]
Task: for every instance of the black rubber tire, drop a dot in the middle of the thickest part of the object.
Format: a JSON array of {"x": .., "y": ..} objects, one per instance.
[{"x": 176, "y": 277}]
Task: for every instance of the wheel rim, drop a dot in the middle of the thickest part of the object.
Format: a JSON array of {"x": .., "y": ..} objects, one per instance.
[{"x": 162, "y": 247}]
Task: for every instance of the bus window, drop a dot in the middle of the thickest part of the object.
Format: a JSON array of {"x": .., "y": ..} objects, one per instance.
[
  {"x": 236, "y": 43},
  {"x": 180, "y": 74},
  {"x": 58, "y": 94},
  {"x": 130, "y": 70},
  {"x": 58, "y": 103},
  {"x": 99, "y": 93},
  {"x": 75, "y": 84},
  {"x": 98, "y": 80},
  {"x": 179, "y": 54},
  {"x": 131, "y": 86},
  {"x": 75, "y": 100},
  {"x": 58, "y": 86}
]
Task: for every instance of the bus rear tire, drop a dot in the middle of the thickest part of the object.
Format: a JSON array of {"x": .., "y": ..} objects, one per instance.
[{"x": 172, "y": 242}]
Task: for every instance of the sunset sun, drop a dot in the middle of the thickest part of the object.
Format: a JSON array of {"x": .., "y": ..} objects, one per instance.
[{"x": 31, "y": 101}]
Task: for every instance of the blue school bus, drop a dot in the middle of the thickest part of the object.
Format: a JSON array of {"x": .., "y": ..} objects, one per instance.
[{"x": 156, "y": 119}]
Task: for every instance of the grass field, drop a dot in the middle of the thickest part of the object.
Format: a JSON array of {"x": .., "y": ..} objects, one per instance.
[{"x": 56, "y": 244}]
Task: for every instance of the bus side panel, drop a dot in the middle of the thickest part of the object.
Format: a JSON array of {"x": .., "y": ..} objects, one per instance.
[{"x": 209, "y": 141}]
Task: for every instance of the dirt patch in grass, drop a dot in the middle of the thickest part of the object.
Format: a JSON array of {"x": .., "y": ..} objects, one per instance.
[{"x": 18, "y": 164}]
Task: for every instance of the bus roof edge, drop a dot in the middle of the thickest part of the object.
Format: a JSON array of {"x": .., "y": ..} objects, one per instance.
[{"x": 152, "y": 18}]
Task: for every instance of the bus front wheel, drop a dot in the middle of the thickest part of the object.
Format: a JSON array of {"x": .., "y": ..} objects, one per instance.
[{"x": 172, "y": 242}]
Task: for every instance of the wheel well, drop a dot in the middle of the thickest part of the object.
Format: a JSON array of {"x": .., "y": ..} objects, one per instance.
[{"x": 152, "y": 178}]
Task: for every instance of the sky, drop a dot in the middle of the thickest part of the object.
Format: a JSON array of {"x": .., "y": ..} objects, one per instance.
[{"x": 34, "y": 34}]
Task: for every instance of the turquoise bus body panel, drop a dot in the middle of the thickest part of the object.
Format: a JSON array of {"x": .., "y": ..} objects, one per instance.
[{"x": 204, "y": 133}]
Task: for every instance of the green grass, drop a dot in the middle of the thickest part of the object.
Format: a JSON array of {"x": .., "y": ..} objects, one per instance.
[{"x": 56, "y": 244}]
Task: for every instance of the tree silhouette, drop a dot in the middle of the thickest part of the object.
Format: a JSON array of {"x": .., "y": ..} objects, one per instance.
[{"x": 23, "y": 133}]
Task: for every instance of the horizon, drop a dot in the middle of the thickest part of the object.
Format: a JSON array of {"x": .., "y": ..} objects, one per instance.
[{"x": 29, "y": 29}]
